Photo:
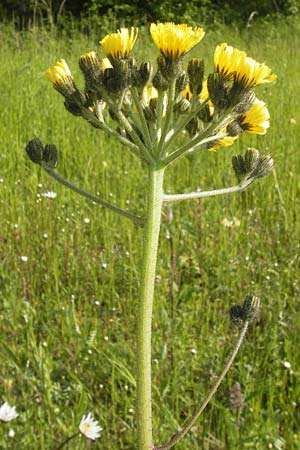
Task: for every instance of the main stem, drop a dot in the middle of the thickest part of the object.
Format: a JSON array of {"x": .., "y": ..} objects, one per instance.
[{"x": 144, "y": 318}]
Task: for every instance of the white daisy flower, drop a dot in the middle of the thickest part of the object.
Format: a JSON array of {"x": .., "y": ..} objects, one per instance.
[
  {"x": 89, "y": 427},
  {"x": 7, "y": 413}
]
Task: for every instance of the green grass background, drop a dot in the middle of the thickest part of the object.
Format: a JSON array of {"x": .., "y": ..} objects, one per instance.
[{"x": 67, "y": 315}]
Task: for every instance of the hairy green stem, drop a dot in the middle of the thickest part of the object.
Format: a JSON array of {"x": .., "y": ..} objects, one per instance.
[
  {"x": 212, "y": 193},
  {"x": 95, "y": 199},
  {"x": 180, "y": 435},
  {"x": 144, "y": 318}
]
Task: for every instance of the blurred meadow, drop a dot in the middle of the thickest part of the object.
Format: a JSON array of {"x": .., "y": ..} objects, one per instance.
[{"x": 69, "y": 270}]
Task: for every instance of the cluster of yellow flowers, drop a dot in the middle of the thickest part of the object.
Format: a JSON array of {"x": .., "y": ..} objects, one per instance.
[{"x": 174, "y": 41}]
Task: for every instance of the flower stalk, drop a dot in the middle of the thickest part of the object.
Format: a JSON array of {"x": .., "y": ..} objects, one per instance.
[{"x": 144, "y": 322}]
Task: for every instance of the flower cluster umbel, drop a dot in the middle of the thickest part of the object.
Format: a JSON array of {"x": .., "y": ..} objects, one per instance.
[{"x": 150, "y": 108}]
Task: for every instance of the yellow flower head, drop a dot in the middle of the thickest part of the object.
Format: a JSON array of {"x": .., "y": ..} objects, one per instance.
[
  {"x": 250, "y": 73},
  {"x": 256, "y": 119},
  {"x": 227, "y": 60},
  {"x": 175, "y": 40},
  {"x": 235, "y": 65},
  {"x": 119, "y": 45},
  {"x": 61, "y": 77}
]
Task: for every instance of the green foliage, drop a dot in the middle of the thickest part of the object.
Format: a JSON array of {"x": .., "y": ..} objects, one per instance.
[
  {"x": 68, "y": 313},
  {"x": 127, "y": 13}
]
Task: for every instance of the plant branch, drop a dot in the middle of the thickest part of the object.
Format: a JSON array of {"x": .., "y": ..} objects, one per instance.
[
  {"x": 141, "y": 114},
  {"x": 97, "y": 123},
  {"x": 181, "y": 124},
  {"x": 169, "y": 112},
  {"x": 139, "y": 220},
  {"x": 177, "y": 437},
  {"x": 198, "y": 140},
  {"x": 178, "y": 197}
]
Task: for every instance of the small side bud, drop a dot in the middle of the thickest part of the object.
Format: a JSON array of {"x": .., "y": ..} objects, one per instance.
[
  {"x": 90, "y": 65},
  {"x": 251, "y": 158},
  {"x": 251, "y": 308},
  {"x": 159, "y": 82},
  {"x": 196, "y": 72},
  {"x": 49, "y": 156},
  {"x": 236, "y": 315},
  {"x": 181, "y": 82},
  {"x": 252, "y": 165},
  {"x": 238, "y": 165},
  {"x": 263, "y": 167},
  {"x": 217, "y": 91},
  {"x": 145, "y": 72},
  {"x": 182, "y": 106},
  {"x": 34, "y": 150}
]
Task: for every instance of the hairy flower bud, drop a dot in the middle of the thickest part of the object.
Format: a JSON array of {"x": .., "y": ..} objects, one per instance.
[
  {"x": 239, "y": 167},
  {"x": 263, "y": 167},
  {"x": 236, "y": 315},
  {"x": 252, "y": 165},
  {"x": 90, "y": 65},
  {"x": 159, "y": 82},
  {"x": 145, "y": 73},
  {"x": 46, "y": 157},
  {"x": 181, "y": 82},
  {"x": 251, "y": 158},
  {"x": 182, "y": 106},
  {"x": 196, "y": 72},
  {"x": 34, "y": 150},
  {"x": 217, "y": 91},
  {"x": 251, "y": 307}
]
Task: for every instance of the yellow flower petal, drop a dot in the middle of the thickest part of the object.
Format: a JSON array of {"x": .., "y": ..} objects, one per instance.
[
  {"x": 175, "y": 40},
  {"x": 256, "y": 120},
  {"x": 119, "y": 45}
]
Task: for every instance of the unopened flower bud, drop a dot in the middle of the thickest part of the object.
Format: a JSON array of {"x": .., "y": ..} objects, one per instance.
[
  {"x": 196, "y": 72},
  {"x": 34, "y": 150},
  {"x": 159, "y": 82},
  {"x": 217, "y": 91},
  {"x": 90, "y": 65},
  {"x": 251, "y": 307},
  {"x": 263, "y": 167},
  {"x": 251, "y": 158},
  {"x": 239, "y": 167},
  {"x": 145, "y": 72},
  {"x": 236, "y": 315},
  {"x": 182, "y": 106},
  {"x": 49, "y": 156},
  {"x": 181, "y": 82}
]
